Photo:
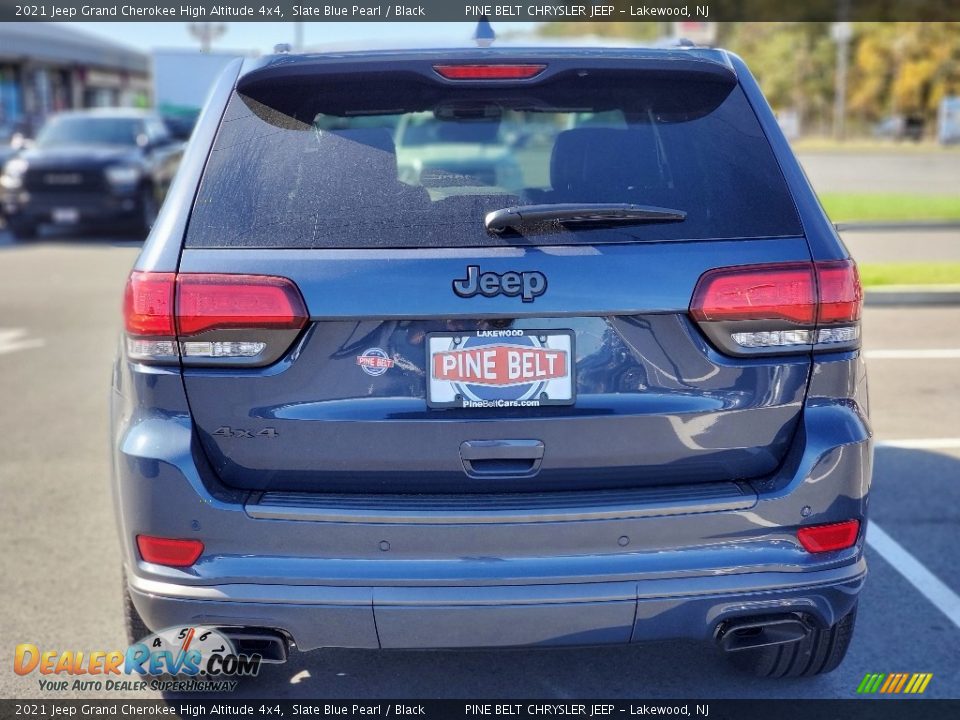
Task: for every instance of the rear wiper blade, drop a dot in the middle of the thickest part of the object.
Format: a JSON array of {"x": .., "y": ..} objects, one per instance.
[{"x": 526, "y": 217}]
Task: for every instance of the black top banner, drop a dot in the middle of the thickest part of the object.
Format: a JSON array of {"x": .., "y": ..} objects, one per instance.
[{"x": 457, "y": 10}]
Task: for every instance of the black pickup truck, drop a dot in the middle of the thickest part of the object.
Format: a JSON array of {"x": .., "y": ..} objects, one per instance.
[{"x": 108, "y": 168}]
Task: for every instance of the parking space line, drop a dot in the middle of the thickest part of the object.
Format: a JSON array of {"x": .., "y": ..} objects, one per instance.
[
  {"x": 929, "y": 585},
  {"x": 921, "y": 444},
  {"x": 913, "y": 354},
  {"x": 14, "y": 339}
]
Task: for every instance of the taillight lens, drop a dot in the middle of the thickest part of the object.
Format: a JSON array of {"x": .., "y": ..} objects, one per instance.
[
  {"x": 169, "y": 551},
  {"x": 784, "y": 307},
  {"x": 148, "y": 304},
  {"x": 824, "y": 538},
  {"x": 489, "y": 72},
  {"x": 772, "y": 292},
  {"x": 841, "y": 297},
  {"x": 207, "y": 302},
  {"x": 202, "y": 316}
]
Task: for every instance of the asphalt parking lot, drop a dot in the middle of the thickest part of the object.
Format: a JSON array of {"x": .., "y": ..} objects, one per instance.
[
  {"x": 59, "y": 318},
  {"x": 909, "y": 169}
]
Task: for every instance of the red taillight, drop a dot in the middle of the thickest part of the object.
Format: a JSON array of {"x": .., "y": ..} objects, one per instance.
[
  {"x": 199, "y": 317},
  {"x": 840, "y": 294},
  {"x": 489, "y": 72},
  {"x": 756, "y": 292},
  {"x": 824, "y": 538},
  {"x": 207, "y": 302},
  {"x": 168, "y": 551},
  {"x": 148, "y": 304},
  {"x": 784, "y": 307}
]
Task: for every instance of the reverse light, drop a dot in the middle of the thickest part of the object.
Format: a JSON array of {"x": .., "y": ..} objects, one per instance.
[
  {"x": 197, "y": 316},
  {"x": 141, "y": 349},
  {"x": 772, "y": 338},
  {"x": 169, "y": 551},
  {"x": 824, "y": 538},
  {"x": 489, "y": 72},
  {"x": 838, "y": 335},
  {"x": 223, "y": 349}
]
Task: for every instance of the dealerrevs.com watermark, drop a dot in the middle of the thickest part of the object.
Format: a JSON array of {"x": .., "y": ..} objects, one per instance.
[{"x": 179, "y": 659}]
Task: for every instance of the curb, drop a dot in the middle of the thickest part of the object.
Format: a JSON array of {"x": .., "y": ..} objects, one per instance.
[
  {"x": 912, "y": 295},
  {"x": 915, "y": 225}
]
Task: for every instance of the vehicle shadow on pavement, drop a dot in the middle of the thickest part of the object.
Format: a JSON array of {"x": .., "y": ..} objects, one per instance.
[{"x": 651, "y": 670}]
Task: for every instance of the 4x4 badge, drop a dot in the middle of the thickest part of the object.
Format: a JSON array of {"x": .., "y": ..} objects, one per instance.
[{"x": 528, "y": 285}]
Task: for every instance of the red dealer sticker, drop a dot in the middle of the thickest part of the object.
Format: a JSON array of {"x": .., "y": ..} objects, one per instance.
[
  {"x": 500, "y": 368},
  {"x": 375, "y": 361}
]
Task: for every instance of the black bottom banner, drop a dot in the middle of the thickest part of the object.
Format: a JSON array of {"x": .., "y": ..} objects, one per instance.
[{"x": 713, "y": 709}]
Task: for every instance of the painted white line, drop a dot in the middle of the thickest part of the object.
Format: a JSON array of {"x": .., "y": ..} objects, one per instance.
[
  {"x": 913, "y": 354},
  {"x": 14, "y": 339},
  {"x": 922, "y": 444},
  {"x": 929, "y": 585}
]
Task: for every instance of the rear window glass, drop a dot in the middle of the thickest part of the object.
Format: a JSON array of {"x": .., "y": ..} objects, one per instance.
[{"x": 383, "y": 162}]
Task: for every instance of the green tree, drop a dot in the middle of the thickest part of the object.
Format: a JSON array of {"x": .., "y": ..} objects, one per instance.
[
  {"x": 793, "y": 62},
  {"x": 895, "y": 67},
  {"x": 905, "y": 68}
]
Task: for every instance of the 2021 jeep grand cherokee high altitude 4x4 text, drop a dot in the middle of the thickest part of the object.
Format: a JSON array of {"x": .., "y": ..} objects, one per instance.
[{"x": 610, "y": 393}]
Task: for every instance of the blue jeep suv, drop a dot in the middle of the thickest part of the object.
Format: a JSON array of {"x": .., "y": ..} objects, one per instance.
[{"x": 576, "y": 362}]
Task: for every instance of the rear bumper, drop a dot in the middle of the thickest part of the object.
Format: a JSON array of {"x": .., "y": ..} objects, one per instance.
[
  {"x": 451, "y": 617},
  {"x": 455, "y": 576}
]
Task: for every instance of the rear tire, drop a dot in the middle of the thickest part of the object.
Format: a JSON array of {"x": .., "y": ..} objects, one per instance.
[
  {"x": 819, "y": 652},
  {"x": 133, "y": 623}
]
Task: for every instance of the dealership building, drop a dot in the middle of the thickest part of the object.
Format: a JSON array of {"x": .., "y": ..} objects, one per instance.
[{"x": 48, "y": 67}]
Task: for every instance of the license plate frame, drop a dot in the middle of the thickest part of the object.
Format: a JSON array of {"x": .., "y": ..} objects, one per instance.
[{"x": 541, "y": 382}]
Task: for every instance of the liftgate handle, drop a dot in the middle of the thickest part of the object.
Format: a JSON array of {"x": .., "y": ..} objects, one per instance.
[{"x": 518, "y": 458}]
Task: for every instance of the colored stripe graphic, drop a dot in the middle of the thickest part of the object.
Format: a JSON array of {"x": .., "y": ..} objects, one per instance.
[
  {"x": 870, "y": 683},
  {"x": 894, "y": 683},
  {"x": 920, "y": 683}
]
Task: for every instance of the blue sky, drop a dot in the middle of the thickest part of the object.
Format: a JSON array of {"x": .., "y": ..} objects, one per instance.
[{"x": 245, "y": 36}]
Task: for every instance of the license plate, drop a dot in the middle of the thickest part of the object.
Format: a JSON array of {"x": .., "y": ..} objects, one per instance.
[
  {"x": 66, "y": 216},
  {"x": 500, "y": 369}
]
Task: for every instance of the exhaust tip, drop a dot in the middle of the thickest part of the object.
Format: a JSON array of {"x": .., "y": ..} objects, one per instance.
[
  {"x": 761, "y": 631},
  {"x": 270, "y": 645}
]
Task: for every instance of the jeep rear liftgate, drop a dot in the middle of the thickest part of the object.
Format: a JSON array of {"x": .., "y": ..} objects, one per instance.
[
  {"x": 625, "y": 390},
  {"x": 473, "y": 283}
]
